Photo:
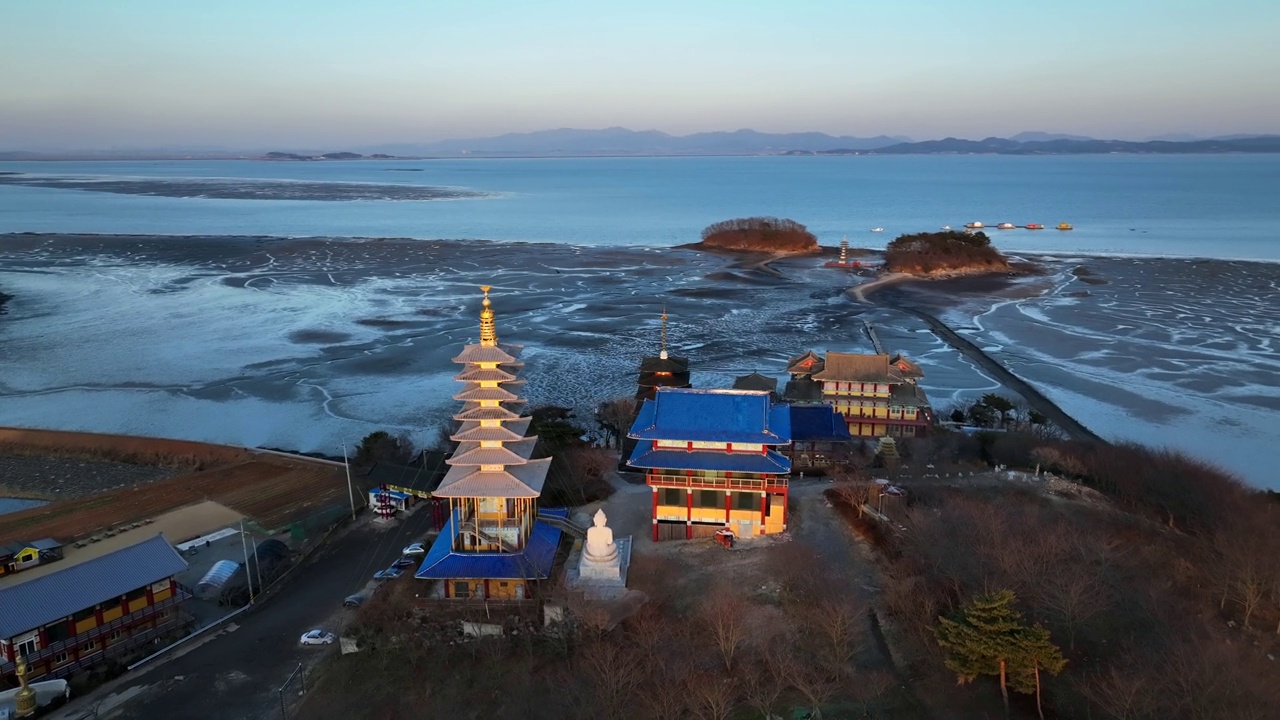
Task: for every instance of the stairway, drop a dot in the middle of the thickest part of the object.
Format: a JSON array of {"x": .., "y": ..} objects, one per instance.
[{"x": 564, "y": 524}]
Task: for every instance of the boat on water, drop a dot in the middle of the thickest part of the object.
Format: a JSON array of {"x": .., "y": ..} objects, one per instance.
[
  {"x": 946, "y": 227},
  {"x": 975, "y": 226},
  {"x": 1005, "y": 226},
  {"x": 1035, "y": 226},
  {"x": 1065, "y": 226},
  {"x": 877, "y": 229}
]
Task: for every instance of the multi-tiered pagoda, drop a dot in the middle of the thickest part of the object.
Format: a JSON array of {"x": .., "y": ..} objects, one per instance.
[
  {"x": 664, "y": 370},
  {"x": 493, "y": 545}
]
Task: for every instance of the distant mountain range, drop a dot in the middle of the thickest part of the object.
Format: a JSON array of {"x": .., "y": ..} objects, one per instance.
[
  {"x": 621, "y": 141},
  {"x": 617, "y": 141},
  {"x": 1007, "y": 146}
]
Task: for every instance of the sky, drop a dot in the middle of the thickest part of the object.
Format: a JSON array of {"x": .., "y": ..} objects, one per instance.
[{"x": 239, "y": 74}]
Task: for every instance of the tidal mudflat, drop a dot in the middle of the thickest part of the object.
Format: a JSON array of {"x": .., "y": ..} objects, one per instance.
[
  {"x": 238, "y": 188},
  {"x": 305, "y": 343}
]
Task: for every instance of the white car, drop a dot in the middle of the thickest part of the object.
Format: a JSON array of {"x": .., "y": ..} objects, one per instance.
[
  {"x": 414, "y": 549},
  {"x": 317, "y": 637}
]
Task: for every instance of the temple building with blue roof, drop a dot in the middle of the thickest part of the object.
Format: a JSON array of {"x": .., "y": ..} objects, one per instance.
[
  {"x": 820, "y": 437},
  {"x": 492, "y": 545},
  {"x": 711, "y": 458}
]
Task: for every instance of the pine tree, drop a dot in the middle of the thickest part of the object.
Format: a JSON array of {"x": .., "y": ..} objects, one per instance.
[
  {"x": 1036, "y": 652},
  {"x": 989, "y": 637}
]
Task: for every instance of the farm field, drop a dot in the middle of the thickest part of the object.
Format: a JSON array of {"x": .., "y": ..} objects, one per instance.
[{"x": 273, "y": 492}]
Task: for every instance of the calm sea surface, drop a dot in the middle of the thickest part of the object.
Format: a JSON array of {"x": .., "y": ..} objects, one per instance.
[
  {"x": 1221, "y": 206},
  {"x": 8, "y": 505}
]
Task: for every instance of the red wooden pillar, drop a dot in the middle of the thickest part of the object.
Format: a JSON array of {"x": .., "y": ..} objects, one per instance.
[
  {"x": 688, "y": 519},
  {"x": 655, "y": 514},
  {"x": 764, "y": 510},
  {"x": 728, "y": 507},
  {"x": 785, "y": 491}
]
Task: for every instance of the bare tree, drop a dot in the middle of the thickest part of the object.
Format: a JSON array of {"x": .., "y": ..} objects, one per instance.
[
  {"x": 613, "y": 674},
  {"x": 766, "y": 679},
  {"x": 1122, "y": 692},
  {"x": 856, "y": 494},
  {"x": 615, "y": 417},
  {"x": 715, "y": 696},
  {"x": 835, "y": 632},
  {"x": 815, "y": 685},
  {"x": 723, "y": 614},
  {"x": 1073, "y": 595}
]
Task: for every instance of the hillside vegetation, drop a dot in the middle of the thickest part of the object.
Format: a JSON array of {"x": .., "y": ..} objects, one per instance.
[
  {"x": 1155, "y": 574},
  {"x": 943, "y": 252},
  {"x": 765, "y": 234}
]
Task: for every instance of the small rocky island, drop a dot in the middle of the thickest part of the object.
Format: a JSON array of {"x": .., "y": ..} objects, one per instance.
[
  {"x": 759, "y": 234},
  {"x": 944, "y": 253}
]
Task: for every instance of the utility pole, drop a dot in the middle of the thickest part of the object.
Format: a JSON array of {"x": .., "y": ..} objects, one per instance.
[
  {"x": 351, "y": 493},
  {"x": 257, "y": 561},
  {"x": 247, "y": 578}
]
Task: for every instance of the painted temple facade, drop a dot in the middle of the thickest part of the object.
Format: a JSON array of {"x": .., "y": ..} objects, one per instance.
[
  {"x": 493, "y": 546},
  {"x": 711, "y": 459},
  {"x": 83, "y": 614},
  {"x": 877, "y": 394}
]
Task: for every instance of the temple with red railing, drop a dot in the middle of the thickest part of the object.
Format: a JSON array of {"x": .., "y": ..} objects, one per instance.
[{"x": 711, "y": 459}]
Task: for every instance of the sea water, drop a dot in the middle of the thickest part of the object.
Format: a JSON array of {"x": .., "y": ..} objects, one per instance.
[{"x": 1221, "y": 206}]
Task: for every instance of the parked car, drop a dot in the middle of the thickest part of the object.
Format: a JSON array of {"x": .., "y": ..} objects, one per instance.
[
  {"x": 317, "y": 637},
  {"x": 390, "y": 573},
  {"x": 414, "y": 549},
  {"x": 354, "y": 601},
  {"x": 403, "y": 562}
]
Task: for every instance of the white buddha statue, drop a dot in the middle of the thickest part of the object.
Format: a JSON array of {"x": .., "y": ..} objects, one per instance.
[{"x": 600, "y": 546}]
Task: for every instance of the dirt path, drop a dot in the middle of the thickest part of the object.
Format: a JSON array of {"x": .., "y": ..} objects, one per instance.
[
  {"x": 859, "y": 292},
  {"x": 848, "y": 559}
]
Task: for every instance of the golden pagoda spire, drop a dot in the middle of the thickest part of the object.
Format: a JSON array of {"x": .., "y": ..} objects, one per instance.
[
  {"x": 663, "y": 354},
  {"x": 488, "y": 333},
  {"x": 24, "y": 703}
]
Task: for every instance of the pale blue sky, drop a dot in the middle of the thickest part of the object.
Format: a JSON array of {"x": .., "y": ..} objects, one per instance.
[{"x": 232, "y": 73}]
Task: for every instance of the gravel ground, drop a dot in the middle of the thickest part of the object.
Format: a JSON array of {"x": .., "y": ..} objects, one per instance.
[{"x": 56, "y": 478}]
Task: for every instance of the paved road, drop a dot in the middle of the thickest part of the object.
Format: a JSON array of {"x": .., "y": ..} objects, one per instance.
[{"x": 237, "y": 673}]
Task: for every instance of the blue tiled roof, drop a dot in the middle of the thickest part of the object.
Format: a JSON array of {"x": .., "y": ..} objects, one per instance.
[
  {"x": 771, "y": 462},
  {"x": 739, "y": 416},
  {"x": 817, "y": 423},
  {"x": 534, "y": 562},
  {"x": 41, "y": 600}
]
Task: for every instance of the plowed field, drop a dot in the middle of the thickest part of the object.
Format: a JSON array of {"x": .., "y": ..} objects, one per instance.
[{"x": 273, "y": 491}]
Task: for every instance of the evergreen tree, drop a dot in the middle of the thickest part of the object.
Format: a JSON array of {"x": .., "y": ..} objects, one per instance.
[
  {"x": 982, "y": 638},
  {"x": 989, "y": 637},
  {"x": 1036, "y": 652},
  {"x": 1002, "y": 405}
]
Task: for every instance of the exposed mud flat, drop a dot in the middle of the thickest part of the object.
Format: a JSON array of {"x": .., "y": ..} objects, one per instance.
[
  {"x": 239, "y": 188},
  {"x": 302, "y": 343}
]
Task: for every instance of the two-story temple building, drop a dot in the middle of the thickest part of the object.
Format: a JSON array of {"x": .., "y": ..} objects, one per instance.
[
  {"x": 877, "y": 395},
  {"x": 73, "y": 615},
  {"x": 492, "y": 545},
  {"x": 711, "y": 459}
]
